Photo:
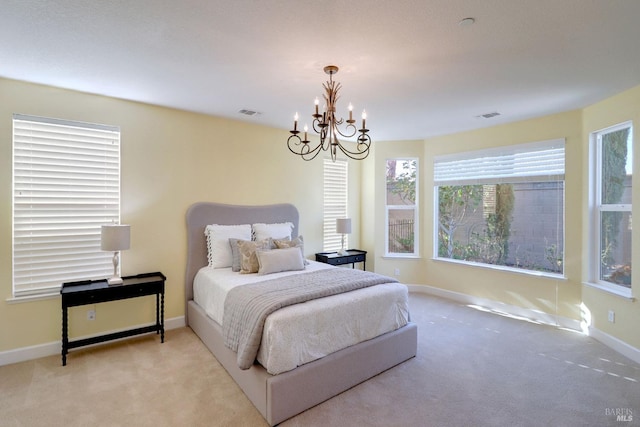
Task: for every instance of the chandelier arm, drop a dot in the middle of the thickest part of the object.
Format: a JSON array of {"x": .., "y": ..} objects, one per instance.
[
  {"x": 360, "y": 152},
  {"x": 347, "y": 135},
  {"x": 325, "y": 137},
  {"x": 298, "y": 142},
  {"x": 362, "y": 146},
  {"x": 315, "y": 152},
  {"x": 356, "y": 155},
  {"x": 305, "y": 150},
  {"x": 322, "y": 131},
  {"x": 318, "y": 127}
]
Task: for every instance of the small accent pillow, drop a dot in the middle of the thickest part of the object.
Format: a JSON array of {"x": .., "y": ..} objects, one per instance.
[
  {"x": 218, "y": 248},
  {"x": 275, "y": 231},
  {"x": 289, "y": 259},
  {"x": 248, "y": 258},
  {"x": 298, "y": 242},
  {"x": 236, "y": 256}
]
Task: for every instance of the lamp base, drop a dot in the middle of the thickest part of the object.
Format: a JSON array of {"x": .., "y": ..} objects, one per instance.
[
  {"x": 343, "y": 252},
  {"x": 114, "y": 281}
]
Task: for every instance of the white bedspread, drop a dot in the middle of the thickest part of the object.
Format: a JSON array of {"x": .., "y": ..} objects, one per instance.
[{"x": 305, "y": 332}]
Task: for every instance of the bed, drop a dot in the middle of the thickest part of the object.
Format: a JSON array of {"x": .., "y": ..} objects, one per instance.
[{"x": 283, "y": 395}]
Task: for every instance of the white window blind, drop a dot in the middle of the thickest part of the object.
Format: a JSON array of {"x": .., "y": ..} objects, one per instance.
[
  {"x": 335, "y": 202},
  {"x": 66, "y": 184},
  {"x": 540, "y": 161}
]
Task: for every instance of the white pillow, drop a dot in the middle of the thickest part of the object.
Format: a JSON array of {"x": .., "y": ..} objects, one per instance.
[
  {"x": 275, "y": 231},
  {"x": 218, "y": 247},
  {"x": 278, "y": 260}
]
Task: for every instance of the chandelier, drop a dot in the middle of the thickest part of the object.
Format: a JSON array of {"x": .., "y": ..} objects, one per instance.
[{"x": 327, "y": 126}]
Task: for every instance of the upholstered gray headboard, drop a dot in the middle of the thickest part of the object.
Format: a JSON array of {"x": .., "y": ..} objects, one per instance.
[{"x": 201, "y": 214}]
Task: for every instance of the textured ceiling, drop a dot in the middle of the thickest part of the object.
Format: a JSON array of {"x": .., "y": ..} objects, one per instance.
[{"x": 412, "y": 66}]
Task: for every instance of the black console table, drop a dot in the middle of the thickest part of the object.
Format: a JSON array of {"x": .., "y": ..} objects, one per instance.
[
  {"x": 94, "y": 291},
  {"x": 352, "y": 256}
]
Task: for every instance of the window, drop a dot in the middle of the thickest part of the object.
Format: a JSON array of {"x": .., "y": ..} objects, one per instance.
[
  {"x": 335, "y": 202},
  {"x": 66, "y": 184},
  {"x": 401, "y": 207},
  {"x": 502, "y": 207},
  {"x": 612, "y": 173}
]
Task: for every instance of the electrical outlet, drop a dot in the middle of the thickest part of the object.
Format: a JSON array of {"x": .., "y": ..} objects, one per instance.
[
  {"x": 396, "y": 272},
  {"x": 612, "y": 316},
  {"x": 91, "y": 315}
]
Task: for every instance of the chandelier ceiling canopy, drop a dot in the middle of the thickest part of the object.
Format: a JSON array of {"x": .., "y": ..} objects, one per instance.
[{"x": 328, "y": 128}]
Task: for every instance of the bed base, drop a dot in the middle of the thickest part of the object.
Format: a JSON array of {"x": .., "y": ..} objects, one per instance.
[{"x": 279, "y": 397}]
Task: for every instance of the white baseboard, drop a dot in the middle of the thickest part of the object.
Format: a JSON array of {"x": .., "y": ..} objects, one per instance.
[
  {"x": 49, "y": 349},
  {"x": 532, "y": 315},
  {"x": 616, "y": 344}
]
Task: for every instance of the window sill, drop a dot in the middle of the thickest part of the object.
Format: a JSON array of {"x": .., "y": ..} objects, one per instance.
[
  {"x": 614, "y": 290},
  {"x": 32, "y": 298},
  {"x": 401, "y": 256},
  {"x": 503, "y": 268}
]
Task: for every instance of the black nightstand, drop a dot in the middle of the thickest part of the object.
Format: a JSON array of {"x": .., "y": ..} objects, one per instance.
[
  {"x": 94, "y": 291},
  {"x": 352, "y": 256}
]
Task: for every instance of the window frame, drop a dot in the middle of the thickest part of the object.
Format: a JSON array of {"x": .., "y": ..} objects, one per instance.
[
  {"x": 414, "y": 207},
  {"x": 476, "y": 169},
  {"x": 65, "y": 185},
  {"x": 597, "y": 208}
]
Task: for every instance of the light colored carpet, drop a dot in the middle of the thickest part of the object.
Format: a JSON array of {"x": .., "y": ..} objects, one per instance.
[{"x": 473, "y": 369}]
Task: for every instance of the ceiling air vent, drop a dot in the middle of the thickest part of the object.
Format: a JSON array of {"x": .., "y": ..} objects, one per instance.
[
  {"x": 248, "y": 112},
  {"x": 488, "y": 115}
]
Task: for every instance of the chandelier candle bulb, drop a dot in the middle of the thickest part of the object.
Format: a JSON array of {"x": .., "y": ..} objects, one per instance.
[
  {"x": 306, "y": 128},
  {"x": 350, "y": 112},
  {"x": 364, "y": 118},
  {"x": 295, "y": 122},
  {"x": 317, "y": 102}
]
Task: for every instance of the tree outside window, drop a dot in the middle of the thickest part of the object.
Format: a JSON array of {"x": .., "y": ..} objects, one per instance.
[{"x": 401, "y": 184}]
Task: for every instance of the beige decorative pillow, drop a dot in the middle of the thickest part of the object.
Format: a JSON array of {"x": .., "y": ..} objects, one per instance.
[
  {"x": 298, "y": 242},
  {"x": 248, "y": 258},
  {"x": 277, "y": 260}
]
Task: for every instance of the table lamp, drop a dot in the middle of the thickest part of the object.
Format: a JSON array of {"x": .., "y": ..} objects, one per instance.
[
  {"x": 116, "y": 238},
  {"x": 343, "y": 226}
]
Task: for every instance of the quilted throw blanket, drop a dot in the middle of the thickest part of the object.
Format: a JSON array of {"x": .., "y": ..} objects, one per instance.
[{"x": 247, "y": 307}]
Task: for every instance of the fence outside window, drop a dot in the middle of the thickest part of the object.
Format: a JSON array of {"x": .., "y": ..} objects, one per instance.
[{"x": 401, "y": 236}]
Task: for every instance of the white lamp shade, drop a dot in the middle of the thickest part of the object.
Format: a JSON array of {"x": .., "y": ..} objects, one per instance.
[
  {"x": 115, "y": 237},
  {"x": 343, "y": 225}
]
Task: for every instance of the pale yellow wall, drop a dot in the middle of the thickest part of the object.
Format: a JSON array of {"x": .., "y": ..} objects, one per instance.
[
  {"x": 170, "y": 159},
  {"x": 609, "y": 112},
  {"x": 546, "y": 294}
]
